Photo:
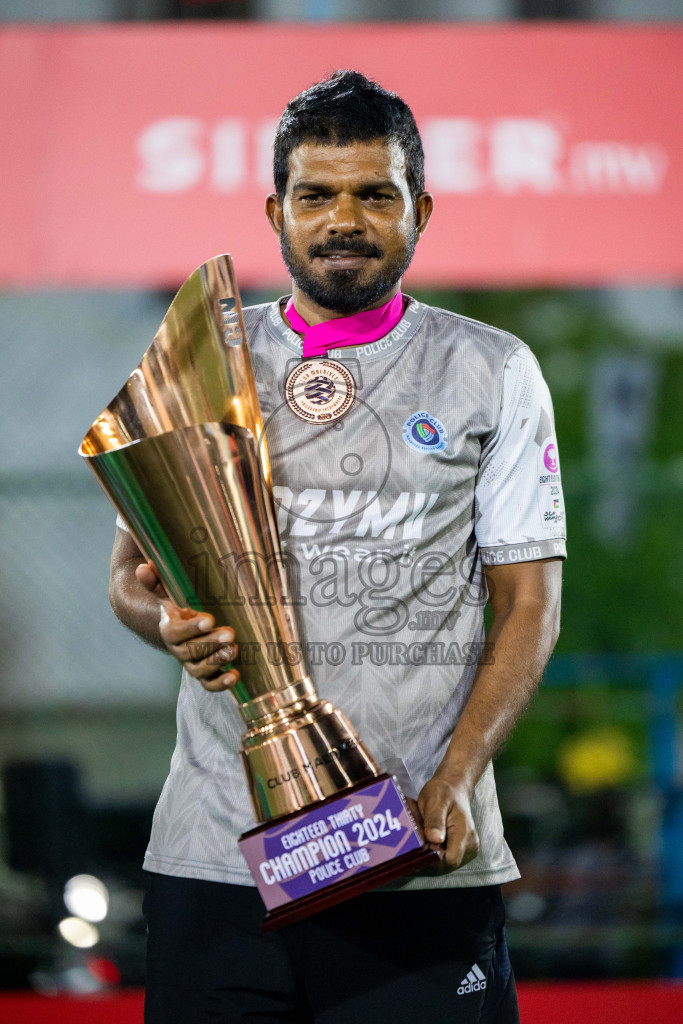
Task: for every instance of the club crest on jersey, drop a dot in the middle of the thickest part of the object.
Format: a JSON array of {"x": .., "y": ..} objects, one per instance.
[
  {"x": 424, "y": 433},
  {"x": 320, "y": 390}
]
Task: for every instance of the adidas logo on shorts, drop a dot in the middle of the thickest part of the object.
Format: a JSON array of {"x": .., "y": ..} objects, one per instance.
[{"x": 474, "y": 982}]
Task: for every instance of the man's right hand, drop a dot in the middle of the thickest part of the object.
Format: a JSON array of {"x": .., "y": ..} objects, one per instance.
[
  {"x": 192, "y": 638},
  {"x": 141, "y": 603}
]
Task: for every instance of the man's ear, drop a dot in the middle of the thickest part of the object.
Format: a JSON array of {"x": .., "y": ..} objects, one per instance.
[
  {"x": 424, "y": 204},
  {"x": 274, "y": 213}
]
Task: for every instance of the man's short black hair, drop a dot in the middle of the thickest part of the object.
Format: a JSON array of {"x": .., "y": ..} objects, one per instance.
[{"x": 347, "y": 107}]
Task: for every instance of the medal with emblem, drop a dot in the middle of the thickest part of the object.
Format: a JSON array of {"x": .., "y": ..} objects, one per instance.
[{"x": 320, "y": 390}]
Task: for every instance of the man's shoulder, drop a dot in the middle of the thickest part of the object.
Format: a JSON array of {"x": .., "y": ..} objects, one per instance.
[
  {"x": 479, "y": 334},
  {"x": 262, "y": 322},
  {"x": 258, "y": 311}
]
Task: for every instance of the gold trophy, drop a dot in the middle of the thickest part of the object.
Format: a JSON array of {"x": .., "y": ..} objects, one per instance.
[{"x": 181, "y": 454}]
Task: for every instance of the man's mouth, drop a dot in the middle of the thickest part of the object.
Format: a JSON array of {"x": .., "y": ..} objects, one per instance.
[{"x": 344, "y": 260}]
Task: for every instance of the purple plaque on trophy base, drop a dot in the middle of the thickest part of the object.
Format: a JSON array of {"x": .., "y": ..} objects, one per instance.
[{"x": 333, "y": 850}]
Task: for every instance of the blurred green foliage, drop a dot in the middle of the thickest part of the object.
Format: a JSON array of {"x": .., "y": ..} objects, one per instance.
[
  {"x": 616, "y": 598},
  {"x": 558, "y": 713}
]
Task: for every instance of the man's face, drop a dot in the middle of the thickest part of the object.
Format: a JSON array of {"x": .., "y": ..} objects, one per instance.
[{"x": 347, "y": 225}]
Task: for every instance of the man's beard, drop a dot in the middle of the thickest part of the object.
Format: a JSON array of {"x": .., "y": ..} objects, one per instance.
[{"x": 341, "y": 290}]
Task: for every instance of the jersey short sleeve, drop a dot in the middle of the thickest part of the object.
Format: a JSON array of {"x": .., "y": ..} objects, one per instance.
[
  {"x": 121, "y": 523},
  {"x": 519, "y": 507}
]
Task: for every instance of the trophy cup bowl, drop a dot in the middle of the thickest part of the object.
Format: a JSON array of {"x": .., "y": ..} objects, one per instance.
[{"x": 181, "y": 454}]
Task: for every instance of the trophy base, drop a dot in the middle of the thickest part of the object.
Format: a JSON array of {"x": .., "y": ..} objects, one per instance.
[
  {"x": 346, "y": 890},
  {"x": 333, "y": 850}
]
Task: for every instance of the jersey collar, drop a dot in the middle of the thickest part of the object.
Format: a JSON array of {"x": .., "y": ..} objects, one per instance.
[{"x": 392, "y": 342}]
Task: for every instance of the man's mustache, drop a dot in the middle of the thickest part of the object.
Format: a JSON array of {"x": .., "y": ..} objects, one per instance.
[{"x": 346, "y": 245}]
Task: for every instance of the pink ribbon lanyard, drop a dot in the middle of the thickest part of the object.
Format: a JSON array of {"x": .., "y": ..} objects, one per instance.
[{"x": 359, "y": 329}]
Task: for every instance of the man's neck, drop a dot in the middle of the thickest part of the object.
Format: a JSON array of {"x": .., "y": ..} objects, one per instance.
[{"x": 314, "y": 314}]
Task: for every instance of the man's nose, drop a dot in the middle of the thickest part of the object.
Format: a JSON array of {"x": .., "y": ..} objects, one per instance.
[{"x": 346, "y": 216}]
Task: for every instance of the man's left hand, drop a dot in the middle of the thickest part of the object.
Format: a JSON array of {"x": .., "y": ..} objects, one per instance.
[{"x": 447, "y": 820}]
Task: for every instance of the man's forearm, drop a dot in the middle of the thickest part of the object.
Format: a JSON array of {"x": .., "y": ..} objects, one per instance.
[
  {"x": 522, "y": 640},
  {"x": 525, "y": 599},
  {"x": 134, "y": 605}
]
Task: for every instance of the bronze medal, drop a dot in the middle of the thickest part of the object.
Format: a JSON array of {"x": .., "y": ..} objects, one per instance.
[{"x": 320, "y": 390}]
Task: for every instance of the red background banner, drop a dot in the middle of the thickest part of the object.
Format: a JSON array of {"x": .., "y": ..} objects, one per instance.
[{"x": 133, "y": 153}]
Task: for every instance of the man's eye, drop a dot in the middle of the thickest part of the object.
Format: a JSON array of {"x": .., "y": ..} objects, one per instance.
[{"x": 312, "y": 197}]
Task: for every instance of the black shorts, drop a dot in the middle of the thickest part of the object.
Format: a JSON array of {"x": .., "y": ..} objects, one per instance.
[{"x": 382, "y": 958}]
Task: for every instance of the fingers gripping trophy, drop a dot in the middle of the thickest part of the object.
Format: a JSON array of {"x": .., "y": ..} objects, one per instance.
[{"x": 181, "y": 454}]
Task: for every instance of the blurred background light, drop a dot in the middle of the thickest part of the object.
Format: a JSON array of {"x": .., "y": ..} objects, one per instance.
[
  {"x": 85, "y": 896},
  {"x": 78, "y": 932}
]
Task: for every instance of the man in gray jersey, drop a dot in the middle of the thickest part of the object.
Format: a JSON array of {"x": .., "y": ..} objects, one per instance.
[{"x": 430, "y": 489}]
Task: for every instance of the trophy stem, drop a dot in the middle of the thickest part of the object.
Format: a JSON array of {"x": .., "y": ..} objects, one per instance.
[
  {"x": 285, "y": 702},
  {"x": 240, "y": 693},
  {"x": 298, "y": 750}
]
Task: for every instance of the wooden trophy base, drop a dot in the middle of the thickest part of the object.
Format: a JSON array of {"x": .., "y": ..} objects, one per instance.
[{"x": 334, "y": 850}]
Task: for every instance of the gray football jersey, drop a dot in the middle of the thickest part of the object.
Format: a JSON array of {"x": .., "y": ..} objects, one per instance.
[{"x": 446, "y": 461}]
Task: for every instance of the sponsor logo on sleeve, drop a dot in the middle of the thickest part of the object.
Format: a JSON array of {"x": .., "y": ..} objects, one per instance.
[
  {"x": 551, "y": 505},
  {"x": 550, "y": 458}
]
